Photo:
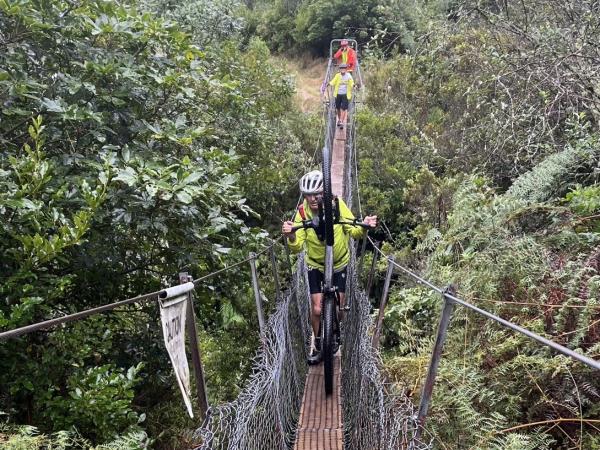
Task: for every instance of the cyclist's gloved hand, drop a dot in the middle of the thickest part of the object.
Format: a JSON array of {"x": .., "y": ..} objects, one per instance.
[
  {"x": 371, "y": 221},
  {"x": 286, "y": 228}
]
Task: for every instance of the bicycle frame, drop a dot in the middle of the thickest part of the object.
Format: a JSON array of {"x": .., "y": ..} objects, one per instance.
[{"x": 330, "y": 302}]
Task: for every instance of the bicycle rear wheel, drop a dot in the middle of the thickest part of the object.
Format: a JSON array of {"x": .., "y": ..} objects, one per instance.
[{"x": 327, "y": 343}]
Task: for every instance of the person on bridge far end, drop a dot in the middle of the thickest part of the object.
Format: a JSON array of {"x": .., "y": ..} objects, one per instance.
[
  {"x": 346, "y": 55},
  {"x": 311, "y": 186},
  {"x": 342, "y": 91}
]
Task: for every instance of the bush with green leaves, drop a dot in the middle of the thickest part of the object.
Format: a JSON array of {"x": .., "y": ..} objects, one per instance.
[
  {"x": 26, "y": 437},
  {"x": 130, "y": 149},
  {"x": 99, "y": 398},
  {"x": 294, "y": 27},
  {"x": 502, "y": 201},
  {"x": 527, "y": 258}
]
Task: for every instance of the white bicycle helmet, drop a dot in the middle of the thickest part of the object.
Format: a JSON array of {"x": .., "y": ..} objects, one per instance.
[{"x": 312, "y": 182}]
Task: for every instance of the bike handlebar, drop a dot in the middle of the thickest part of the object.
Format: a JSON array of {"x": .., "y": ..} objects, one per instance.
[
  {"x": 357, "y": 223},
  {"x": 306, "y": 224}
]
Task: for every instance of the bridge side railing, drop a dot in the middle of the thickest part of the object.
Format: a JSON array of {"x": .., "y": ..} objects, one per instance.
[
  {"x": 265, "y": 414},
  {"x": 375, "y": 415},
  {"x": 449, "y": 301},
  {"x": 187, "y": 286}
]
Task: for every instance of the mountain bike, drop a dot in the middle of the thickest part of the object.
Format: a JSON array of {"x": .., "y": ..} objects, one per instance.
[{"x": 328, "y": 215}]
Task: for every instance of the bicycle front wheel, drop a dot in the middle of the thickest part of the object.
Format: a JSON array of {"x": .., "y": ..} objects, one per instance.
[
  {"x": 327, "y": 341},
  {"x": 327, "y": 197}
]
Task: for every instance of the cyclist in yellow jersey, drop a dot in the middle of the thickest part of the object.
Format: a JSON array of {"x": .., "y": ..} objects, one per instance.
[
  {"x": 311, "y": 186},
  {"x": 342, "y": 84}
]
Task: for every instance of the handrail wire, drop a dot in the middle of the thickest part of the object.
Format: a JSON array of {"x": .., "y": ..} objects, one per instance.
[
  {"x": 237, "y": 264},
  {"x": 354, "y": 156},
  {"x": 542, "y": 340},
  {"x": 76, "y": 316},
  {"x": 110, "y": 306}
]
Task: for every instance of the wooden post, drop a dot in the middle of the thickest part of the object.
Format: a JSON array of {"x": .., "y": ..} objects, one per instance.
[
  {"x": 275, "y": 274},
  {"x": 373, "y": 266},
  {"x": 383, "y": 303},
  {"x": 363, "y": 249},
  {"x": 257, "y": 298},
  {"x": 436, "y": 355},
  {"x": 288, "y": 257},
  {"x": 293, "y": 290}
]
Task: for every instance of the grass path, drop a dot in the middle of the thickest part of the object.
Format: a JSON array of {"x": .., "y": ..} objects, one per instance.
[{"x": 309, "y": 73}]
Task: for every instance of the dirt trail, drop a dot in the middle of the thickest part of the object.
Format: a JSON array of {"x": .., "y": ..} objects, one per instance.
[{"x": 309, "y": 73}]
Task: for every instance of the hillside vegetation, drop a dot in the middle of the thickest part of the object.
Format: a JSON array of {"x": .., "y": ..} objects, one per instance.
[
  {"x": 141, "y": 138},
  {"x": 480, "y": 149},
  {"x": 134, "y": 145}
]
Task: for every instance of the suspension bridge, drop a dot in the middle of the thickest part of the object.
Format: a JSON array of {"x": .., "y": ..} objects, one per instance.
[{"x": 283, "y": 404}]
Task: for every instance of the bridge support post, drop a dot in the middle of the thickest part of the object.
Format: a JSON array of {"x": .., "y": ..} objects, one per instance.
[
  {"x": 363, "y": 249},
  {"x": 383, "y": 303},
  {"x": 257, "y": 297},
  {"x": 288, "y": 257},
  {"x": 195, "y": 349},
  {"x": 303, "y": 321},
  {"x": 275, "y": 273},
  {"x": 373, "y": 266},
  {"x": 436, "y": 355}
]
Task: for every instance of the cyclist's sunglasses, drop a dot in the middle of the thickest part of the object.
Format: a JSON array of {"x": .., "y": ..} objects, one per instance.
[{"x": 318, "y": 195}]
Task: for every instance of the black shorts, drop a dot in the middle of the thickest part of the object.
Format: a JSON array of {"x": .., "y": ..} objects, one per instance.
[
  {"x": 341, "y": 102},
  {"x": 315, "y": 280}
]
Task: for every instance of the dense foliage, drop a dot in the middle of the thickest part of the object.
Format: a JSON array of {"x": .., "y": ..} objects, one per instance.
[
  {"x": 296, "y": 26},
  {"x": 140, "y": 138},
  {"x": 132, "y": 142},
  {"x": 481, "y": 151}
]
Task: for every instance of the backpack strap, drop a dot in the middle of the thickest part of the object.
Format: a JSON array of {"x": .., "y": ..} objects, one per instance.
[{"x": 301, "y": 211}]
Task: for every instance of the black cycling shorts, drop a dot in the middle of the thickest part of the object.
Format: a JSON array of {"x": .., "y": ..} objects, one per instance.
[
  {"x": 315, "y": 280},
  {"x": 341, "y": 102}
]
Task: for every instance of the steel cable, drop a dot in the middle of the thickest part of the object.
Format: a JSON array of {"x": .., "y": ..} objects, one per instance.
[
  {"x": 373, "y": 419},
  {"x": 555, "y": 346},
  {"x": 110, "y": 306}
]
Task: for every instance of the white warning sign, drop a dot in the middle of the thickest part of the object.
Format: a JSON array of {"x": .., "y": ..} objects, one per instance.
[{"x": 173, "y": 315}]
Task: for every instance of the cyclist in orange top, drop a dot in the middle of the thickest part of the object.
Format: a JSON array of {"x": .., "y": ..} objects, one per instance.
[{"x": 346, "y": 55}]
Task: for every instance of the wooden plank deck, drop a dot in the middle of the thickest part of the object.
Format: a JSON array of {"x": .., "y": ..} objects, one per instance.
[
  {"x": 337, "y": 162},
  {"x": 321, "y": 426}
]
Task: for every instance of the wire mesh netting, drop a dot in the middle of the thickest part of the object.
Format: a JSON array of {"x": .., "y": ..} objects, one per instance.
[
  {"x": 265, "y": 414},
  {"x": 373, "y": 419}
]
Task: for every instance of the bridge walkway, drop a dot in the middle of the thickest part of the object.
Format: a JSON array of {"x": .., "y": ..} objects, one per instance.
[{"x": 320, "y": 426}]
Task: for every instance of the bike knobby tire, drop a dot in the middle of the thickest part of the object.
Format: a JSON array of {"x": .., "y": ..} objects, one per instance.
[
  {"x": 328, "y": 341},
  {"x": 327, "y": 196}
]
